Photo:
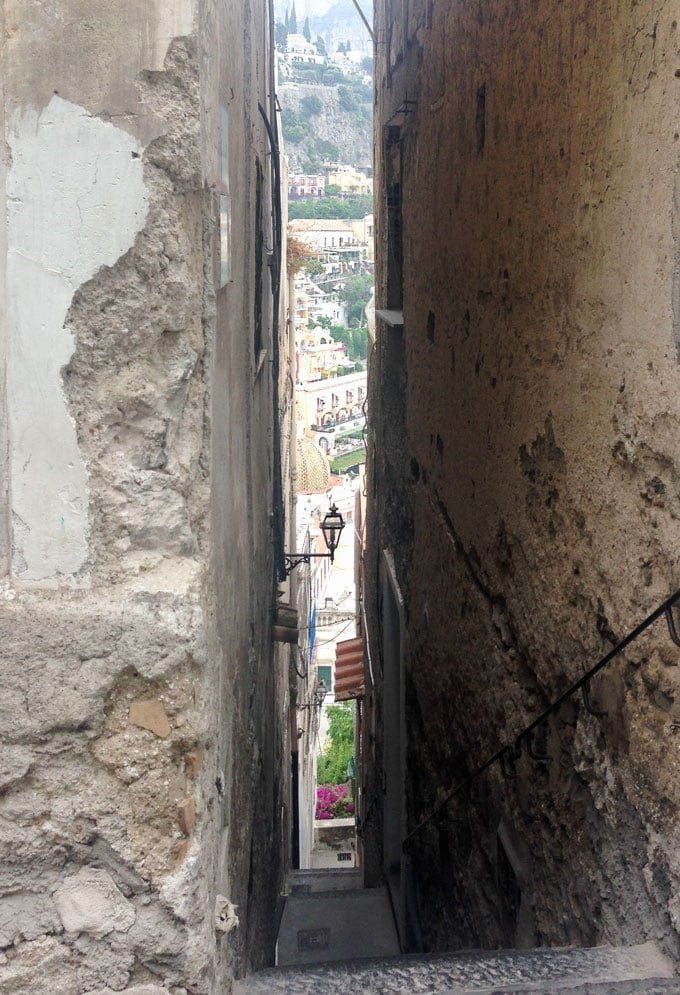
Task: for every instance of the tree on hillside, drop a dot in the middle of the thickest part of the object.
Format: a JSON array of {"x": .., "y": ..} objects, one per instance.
[
  {"x": 355, "y": 295},
  {"x": 311, "y": 105},
  {"x": 298, "y": 254},
  {"x": 281, "y": 33},
  {"x": 292, "y": 21},
  {"x": 306, "y": 31},
  {"x": 346, "y": 99},
  {"x": 356, "y": 340},
  {"x": 329, "y": 207},
  {"x": 321, "y": 46}
]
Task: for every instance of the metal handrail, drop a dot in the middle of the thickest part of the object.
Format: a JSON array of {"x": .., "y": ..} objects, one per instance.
[{"x": 507, "y": 754}]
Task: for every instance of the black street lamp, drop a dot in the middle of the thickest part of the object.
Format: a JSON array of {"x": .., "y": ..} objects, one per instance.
[
  {"x": 331, "y": 527},
  {"x": 317, "y": 697}
]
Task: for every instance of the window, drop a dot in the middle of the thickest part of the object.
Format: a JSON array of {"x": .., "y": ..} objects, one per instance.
[
  {"x": 324, "y": 674},
  {"x": 224, "y": 271},
  {"x": 393, "y": 171},
  {"x": 259, "y": 260}
]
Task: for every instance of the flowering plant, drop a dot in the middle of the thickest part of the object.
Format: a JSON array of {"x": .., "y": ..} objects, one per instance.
[{"x": 333, "y": 801}]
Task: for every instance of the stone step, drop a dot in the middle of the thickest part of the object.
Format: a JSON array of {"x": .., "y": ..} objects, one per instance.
[
  {"x": 637, "y": 970},
  {"x": 334, "y": 926},
  {"x": 301, "y": 882}
]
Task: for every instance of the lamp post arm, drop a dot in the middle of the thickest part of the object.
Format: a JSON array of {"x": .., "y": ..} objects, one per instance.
[{"x": 293, "y": 560}]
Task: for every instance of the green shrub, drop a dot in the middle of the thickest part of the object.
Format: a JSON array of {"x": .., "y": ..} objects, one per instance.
[
  {"x": 311, "y": 105},
  {"x": 333, "y": 763},
  {"x": 346, "y": 100}
]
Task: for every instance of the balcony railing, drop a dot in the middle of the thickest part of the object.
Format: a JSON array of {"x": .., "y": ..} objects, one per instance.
[{"x": 353, "y": 421}]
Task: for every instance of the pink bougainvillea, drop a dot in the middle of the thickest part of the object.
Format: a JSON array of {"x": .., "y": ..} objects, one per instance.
[{"x": 333, "y": 801}]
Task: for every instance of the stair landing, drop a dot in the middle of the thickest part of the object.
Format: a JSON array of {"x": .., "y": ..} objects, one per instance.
[{"x": 336, "y": 926}]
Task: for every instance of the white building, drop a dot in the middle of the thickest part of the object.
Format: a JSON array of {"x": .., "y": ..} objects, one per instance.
[
  {"x": 298, "y": 49},
  {"x": 333, "y": 412}
]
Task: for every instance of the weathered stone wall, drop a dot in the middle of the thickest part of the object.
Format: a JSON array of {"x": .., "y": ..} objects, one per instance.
[
  {"x": 532, "y": 404},
  {"x": 140, "y": 742}
]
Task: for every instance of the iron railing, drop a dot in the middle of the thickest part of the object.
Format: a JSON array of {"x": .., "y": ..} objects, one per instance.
[{"x": 508, "y": 754}]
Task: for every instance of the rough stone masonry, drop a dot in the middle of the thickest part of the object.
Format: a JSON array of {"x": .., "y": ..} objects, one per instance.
[{"x": 525, "y": 430}]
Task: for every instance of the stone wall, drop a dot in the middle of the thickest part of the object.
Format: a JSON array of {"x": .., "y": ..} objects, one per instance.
[
  {"x": 525, "y": 464},
  {"x": 140, "y": 735}
]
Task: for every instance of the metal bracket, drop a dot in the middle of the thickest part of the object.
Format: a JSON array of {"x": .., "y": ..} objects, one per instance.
[
  {"x": 507, "y": 760},
  {"x": 533, "y": 752},
  {"x": 585, "y": 691},
  {"x": 670, "y": 621},
  {"x": 293, "y": 560}
]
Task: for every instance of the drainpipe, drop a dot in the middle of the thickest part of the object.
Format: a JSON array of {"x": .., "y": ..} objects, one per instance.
[{"x": 275, "y": 271}]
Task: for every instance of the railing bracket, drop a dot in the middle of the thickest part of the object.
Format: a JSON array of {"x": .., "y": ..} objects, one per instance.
[
  {"x": 585, "y": 691},
  {"x": 670, "y": 621},
  {"x": 533, "y": 752},
  {"x": 507, "y": 761}
]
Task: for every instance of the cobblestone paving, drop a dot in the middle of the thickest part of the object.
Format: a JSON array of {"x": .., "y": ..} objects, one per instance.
[{"x": 600, "y": 971}]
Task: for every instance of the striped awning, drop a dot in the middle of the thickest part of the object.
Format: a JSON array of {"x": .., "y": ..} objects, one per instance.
[{"x": 349, "y": 669}]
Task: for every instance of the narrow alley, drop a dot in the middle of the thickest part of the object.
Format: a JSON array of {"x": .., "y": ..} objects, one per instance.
[{"x": 340, "y": 497}]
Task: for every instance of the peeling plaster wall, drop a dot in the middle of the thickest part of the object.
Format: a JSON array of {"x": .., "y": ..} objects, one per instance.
[
  {"x": 525, "y": 454},
  {"x": 5, "y": 544},
  {"x": 77, "y": 201},
  {"x": 141, "y": 747}
]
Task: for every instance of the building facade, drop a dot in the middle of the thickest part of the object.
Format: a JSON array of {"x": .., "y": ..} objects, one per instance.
[
  {"x": 523, "y": 467},
  {"x": 332, "y": 412},
  {"x": 141, "y": 357}
]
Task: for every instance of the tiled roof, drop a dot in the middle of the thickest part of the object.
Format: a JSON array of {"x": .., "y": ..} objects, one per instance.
[{"x": 318, "y": 224}]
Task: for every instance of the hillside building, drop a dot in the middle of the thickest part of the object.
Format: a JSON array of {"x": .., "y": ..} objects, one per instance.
[
  {"x": 306, "y": 185},
  {"x": 333, "y": 412},
  {"x": 350, "y": 181},
  {"x": 335, "y": 243},
  {"x": 300, "y": 51}
]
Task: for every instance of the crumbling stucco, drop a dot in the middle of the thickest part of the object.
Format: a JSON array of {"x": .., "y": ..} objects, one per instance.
[
  {"x": 132, "y": 642},
  {"x": 77, "y": 200}
]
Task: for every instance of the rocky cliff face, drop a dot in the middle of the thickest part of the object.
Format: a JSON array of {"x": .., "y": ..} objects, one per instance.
[{"x": 334, "y": 133}]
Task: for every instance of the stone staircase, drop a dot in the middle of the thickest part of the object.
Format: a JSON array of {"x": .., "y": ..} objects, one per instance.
[
  {"x": 638, "y": 970},
  {"x": 338, "y": 937}
]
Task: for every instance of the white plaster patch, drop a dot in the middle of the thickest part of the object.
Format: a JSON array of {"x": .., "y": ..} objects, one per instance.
[
  {"x": 77, "y": 200},
  {"x": 171, "y": 19},
  {"x": 90, "y": 902}
]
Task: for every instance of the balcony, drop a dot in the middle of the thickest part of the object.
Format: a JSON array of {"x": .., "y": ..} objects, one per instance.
[{"x": 345, "y": 424}]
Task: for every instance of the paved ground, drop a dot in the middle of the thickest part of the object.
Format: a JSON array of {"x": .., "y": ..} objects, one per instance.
[
  {"x": 599, "y": 971},
  {"x": 334, "y": 926}
]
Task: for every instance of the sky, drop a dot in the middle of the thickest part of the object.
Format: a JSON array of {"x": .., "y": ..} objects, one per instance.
[{"x": 315, "y": 8}]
